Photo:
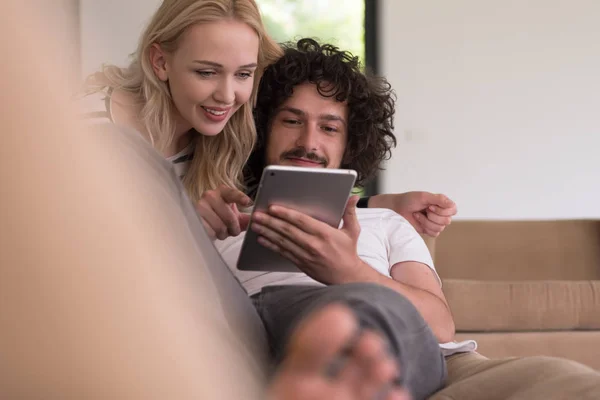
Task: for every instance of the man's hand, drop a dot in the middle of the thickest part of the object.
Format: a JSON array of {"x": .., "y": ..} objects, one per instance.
[
  {"x": 324, "y": 253},
  {"x": 428, "y": 213},
  {"x": 219, "y": 213}
]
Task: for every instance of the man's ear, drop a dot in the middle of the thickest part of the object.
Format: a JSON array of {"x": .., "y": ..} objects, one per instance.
[{"x": 158, "y": 60}]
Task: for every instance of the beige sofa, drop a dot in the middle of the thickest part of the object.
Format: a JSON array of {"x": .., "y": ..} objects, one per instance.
[{"x": 524, "y": 287}]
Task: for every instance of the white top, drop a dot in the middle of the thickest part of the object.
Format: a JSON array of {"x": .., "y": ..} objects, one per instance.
[
  {"x": 386, "y": 239},
  {"x": 96, "y": 109}
]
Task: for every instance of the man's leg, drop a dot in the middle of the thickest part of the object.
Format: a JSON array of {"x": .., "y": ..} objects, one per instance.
[
  {"x": 409, "y": 338},
  {"x": 472, "y": 377}
]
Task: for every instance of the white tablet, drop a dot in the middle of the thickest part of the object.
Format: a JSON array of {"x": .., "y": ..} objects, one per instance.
[{"x": 321, "y": 193}]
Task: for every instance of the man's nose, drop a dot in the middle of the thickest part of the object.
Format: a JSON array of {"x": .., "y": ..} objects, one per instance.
[{"x": 309, "y": 138}]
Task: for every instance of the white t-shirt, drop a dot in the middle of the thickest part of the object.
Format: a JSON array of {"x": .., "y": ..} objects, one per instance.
[{"x": 386, "y": 239}]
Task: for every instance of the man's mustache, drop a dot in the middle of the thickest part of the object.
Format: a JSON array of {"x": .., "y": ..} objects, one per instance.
[{"x": 300, "y": 152}]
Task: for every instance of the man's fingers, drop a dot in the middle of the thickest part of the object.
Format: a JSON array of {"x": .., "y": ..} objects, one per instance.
[
  {"x": 301, "y": 221},
  {"x": 266, "y": 223},
  {"x": 320, "y": 338},
  {"x": 290, "y": 255},
  {"x": 438, "y": 219},
  {"x": 445, "y": 212},
  {"x": 378, "y": 369},
  {"x": 442, "y": 205},
  {"x": 431, "y": 233},
  {"x": 428, "y": 227},
  {"x": 277, "y": 242}
]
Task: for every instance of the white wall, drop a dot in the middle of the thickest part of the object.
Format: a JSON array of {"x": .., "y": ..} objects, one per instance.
[
  {"x": 110, "y": 30},
  {"x": 498, "y": 104}
]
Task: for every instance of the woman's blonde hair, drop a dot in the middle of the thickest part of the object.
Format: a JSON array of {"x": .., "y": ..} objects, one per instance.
[{"x": 217, "y": 159}]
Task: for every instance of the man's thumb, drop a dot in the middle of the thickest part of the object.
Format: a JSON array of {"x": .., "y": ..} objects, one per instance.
[
  {"x": 443, "y": 201},
  {"x": 350, "y": 219}
]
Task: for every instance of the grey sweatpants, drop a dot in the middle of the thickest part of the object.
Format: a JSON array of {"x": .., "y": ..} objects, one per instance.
[{"x": 410, "y": 339}]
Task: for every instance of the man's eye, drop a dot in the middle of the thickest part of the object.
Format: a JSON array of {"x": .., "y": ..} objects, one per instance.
[{"x": 291, "y": 121}]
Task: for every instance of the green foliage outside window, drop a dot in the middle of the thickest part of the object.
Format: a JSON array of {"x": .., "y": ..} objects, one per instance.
[{"x": 339, "y": 22}]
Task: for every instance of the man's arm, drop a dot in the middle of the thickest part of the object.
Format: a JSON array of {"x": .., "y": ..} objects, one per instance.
[
  {"x": 418, "y": 283},
  {"x": 329, "y": 255},
  {"x": 428, "y": 213}
]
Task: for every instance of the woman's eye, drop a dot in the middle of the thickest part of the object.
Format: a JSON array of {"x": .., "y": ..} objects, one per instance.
[
  {"x": 205, "y": 74},
  {"x": 245, "y": 75}
]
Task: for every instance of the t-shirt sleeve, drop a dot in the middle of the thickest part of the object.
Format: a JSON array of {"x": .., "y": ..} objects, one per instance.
[{"x": 405, "y": 244}]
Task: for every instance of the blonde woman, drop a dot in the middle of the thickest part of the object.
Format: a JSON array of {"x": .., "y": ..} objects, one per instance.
[{"x": 189, "y": 89}]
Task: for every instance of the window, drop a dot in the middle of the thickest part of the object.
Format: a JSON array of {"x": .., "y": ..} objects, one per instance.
[{"x": 339, "y": 22}]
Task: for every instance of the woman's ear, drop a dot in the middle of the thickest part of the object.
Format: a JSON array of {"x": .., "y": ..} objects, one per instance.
[{"x": 158, "y": 60}]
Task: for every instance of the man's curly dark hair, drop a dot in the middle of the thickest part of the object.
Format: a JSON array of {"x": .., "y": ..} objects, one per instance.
[{"x": 336, "y": 74}]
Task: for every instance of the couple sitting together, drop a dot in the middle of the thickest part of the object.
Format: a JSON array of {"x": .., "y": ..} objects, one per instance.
[{"x": 158, "y": 308}]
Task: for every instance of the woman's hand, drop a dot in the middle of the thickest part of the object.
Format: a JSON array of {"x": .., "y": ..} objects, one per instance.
[{"x": 219, "y": 212}]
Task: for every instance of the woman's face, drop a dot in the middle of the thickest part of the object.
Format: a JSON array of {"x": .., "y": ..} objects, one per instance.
[{"x": 210, "y": 75}]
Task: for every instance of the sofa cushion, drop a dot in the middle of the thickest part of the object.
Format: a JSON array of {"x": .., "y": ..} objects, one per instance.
[
  {"x": 523, "y": 305},
  {"x": 520, "y": 250}
]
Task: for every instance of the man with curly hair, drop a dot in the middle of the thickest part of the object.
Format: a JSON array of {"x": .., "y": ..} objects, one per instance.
[{"x": 316, "y": 108}]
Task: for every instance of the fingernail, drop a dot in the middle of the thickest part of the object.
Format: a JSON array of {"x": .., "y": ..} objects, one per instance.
[
  {"x": 257, "y": 227},
  {"x": 432, "y": 208}
]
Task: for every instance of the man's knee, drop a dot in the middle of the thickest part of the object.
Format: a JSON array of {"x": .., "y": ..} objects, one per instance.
[
  {"x": 553, "y": 366},
  {"x": 520, "y": 378}
]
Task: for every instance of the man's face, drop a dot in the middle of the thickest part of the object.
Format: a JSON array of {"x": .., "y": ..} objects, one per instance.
[{"x": 308, "y": 130}]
